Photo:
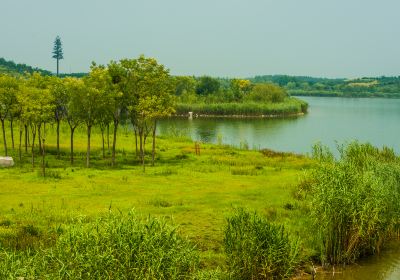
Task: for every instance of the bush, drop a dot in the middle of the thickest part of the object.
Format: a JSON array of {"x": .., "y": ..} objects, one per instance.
[
  {"x": 115, "y": 247},
  {"x": 355, "y": 200},
  {"x": 258, "y": 249},
  {"x": 266, "y": 93}
]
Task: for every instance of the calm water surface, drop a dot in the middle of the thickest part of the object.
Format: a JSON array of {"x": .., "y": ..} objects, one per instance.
[
  {"x": 329, "y": 121},
  {"x": 386, "y": 266}
]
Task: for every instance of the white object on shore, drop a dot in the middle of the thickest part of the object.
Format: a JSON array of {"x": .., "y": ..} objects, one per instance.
[
  {"x": 6, "y": 161},
  {"x": 190, "y": 115}
]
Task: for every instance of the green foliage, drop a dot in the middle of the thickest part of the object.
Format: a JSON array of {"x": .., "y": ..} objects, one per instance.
[
  {"x": 266, "y": 93},
  {"x": 116, "y": 246},
  {"x": 207, "y": 85},
  {"x": 258, "y": 249},
  {"x": 12, "y": 68},
  {"x": 57, "y": 49},
  {"x": 355, "y": 200},
  {"x": 290, "y": 106}
]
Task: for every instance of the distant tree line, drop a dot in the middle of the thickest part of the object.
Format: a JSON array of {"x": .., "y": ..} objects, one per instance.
[
  {"x": 361, "y": 87},
  {"x": 207, "y": 89},
  {"x": 10, "y": 67}
]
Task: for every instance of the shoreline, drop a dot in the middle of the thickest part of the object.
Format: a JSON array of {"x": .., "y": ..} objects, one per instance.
[{"x": 195, "y": 116}]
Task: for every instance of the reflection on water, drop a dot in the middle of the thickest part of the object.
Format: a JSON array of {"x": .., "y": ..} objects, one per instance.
[
  {"x": 386, "y": 266},
  {"x": 330, "y": 120}
]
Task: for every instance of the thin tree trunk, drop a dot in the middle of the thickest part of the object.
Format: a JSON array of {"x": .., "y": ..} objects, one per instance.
[
  {"x": 72, "y": 144},
  {"x": 141, "y": 147},
  {"x": 136, "y": 142},
  {"x": 57, "y": 67},
  {"x": 20, "y": 145},
  {"x": 89, "y": 128},
  {"x": 58, "y": 138},
  {"x": 102, "y": 138},
  {"x": 26, "y": 138},
  {"x": 33, "y": 146},
  {"x": 12, "y": 133},
  {"x": 108, "y": 137},
  {"x": 40, "y": 137},
  {"x": 114, "y": 142},
  {"x": 4, "y": 137},
  {"x": 29, "y": 138},
  {"x": 43, "y": 158},
  {"x": 154, "y": 143}
]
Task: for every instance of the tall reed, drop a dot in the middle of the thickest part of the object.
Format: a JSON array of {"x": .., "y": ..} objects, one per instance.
[
  {"x": 354, "y": 199},
  {"x": 290, "y": 106},
  {"x": 112, "y": 247},
  {"x": 258, "y": 249}
]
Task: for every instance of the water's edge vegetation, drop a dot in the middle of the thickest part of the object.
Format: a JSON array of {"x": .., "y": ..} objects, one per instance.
[{"x": 290, "y": 107}]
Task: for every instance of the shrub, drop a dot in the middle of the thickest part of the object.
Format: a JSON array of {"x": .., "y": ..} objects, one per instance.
[
  {"x": 114, "y": 247},
  {"x": 258, "y": 249},
  {"x": 355, "y": 200},
  {"x": 266, "y": 93}
]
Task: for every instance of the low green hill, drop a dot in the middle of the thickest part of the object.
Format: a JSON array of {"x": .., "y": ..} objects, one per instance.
[{"x": 10, "y": 67}]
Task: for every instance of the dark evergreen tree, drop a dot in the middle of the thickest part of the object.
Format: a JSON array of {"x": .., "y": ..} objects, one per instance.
[{"x": 57, "y": 51}]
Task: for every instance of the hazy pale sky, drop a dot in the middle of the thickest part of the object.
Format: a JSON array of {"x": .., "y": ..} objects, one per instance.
[{"x": 231, "y": 38}]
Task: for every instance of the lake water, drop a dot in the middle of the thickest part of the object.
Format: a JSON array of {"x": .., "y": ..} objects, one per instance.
[
  {"x": 328, "y": 121},
  {"x": 385, "y": 266}
]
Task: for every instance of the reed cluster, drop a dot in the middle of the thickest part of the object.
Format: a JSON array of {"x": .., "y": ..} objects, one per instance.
[
  {"x": 112, "y": 247},
  {"x": 258, "y": 249},
  {"x": 354, "y": 200},
  {"x": 291, "y": 106}
]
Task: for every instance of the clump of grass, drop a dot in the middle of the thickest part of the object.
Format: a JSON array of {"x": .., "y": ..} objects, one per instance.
[
  {"x": 158, "y": 202},
  {"x": 276, "y": 154},
  {"x": 54, "y": 174},
  {"x": 354, "y": 200},
  {"x": 289, "y": 206},
  {"x": 112, "y": 247},
  {"x": 167, "y": 171},
  {"x": 5, "y": 223},
  {"x": 258, "y": 249},
  {"x": 245, "y": 171}
]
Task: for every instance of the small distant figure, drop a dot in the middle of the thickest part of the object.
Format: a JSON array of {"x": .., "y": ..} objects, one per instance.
[
  {"x": 190, "y": 115},
  {"x": 197, "y": 148}
]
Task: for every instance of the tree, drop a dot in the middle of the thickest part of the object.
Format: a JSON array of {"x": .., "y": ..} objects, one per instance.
[
  {"x": 117, "y": 98},
  {"x": 239, "y": 88},
  {"x": 207, "y": 85},
  {"x": 149, "y": 89},
  {"x": 58, "y": 51},
  {"x": 74, "y": 90},
  {"x": 60, "y": 99},
  {"x": 266, "y": 93},
  {"x": 8, "y": 91},
  {"x": 37, "y": 107},
  {"x": 93, "y": 101}
]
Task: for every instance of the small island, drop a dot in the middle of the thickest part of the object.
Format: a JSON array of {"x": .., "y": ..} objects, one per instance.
[{"x": 212, "y": 97}]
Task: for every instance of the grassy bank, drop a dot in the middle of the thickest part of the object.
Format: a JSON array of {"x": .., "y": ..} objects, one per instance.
[
  {"x": 187, "y": 205},
  {"x": 195, "y": 193},
  {"x": 290, "y": 106}
]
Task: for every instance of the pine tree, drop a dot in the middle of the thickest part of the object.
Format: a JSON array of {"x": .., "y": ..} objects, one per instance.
[{"x": 58, "y": 51}]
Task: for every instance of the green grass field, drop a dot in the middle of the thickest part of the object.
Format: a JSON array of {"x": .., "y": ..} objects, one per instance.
[{"x": 196, "y": 193}]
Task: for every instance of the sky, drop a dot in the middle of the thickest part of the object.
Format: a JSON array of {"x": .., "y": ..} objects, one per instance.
[{"x": 225, "y": 38}]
